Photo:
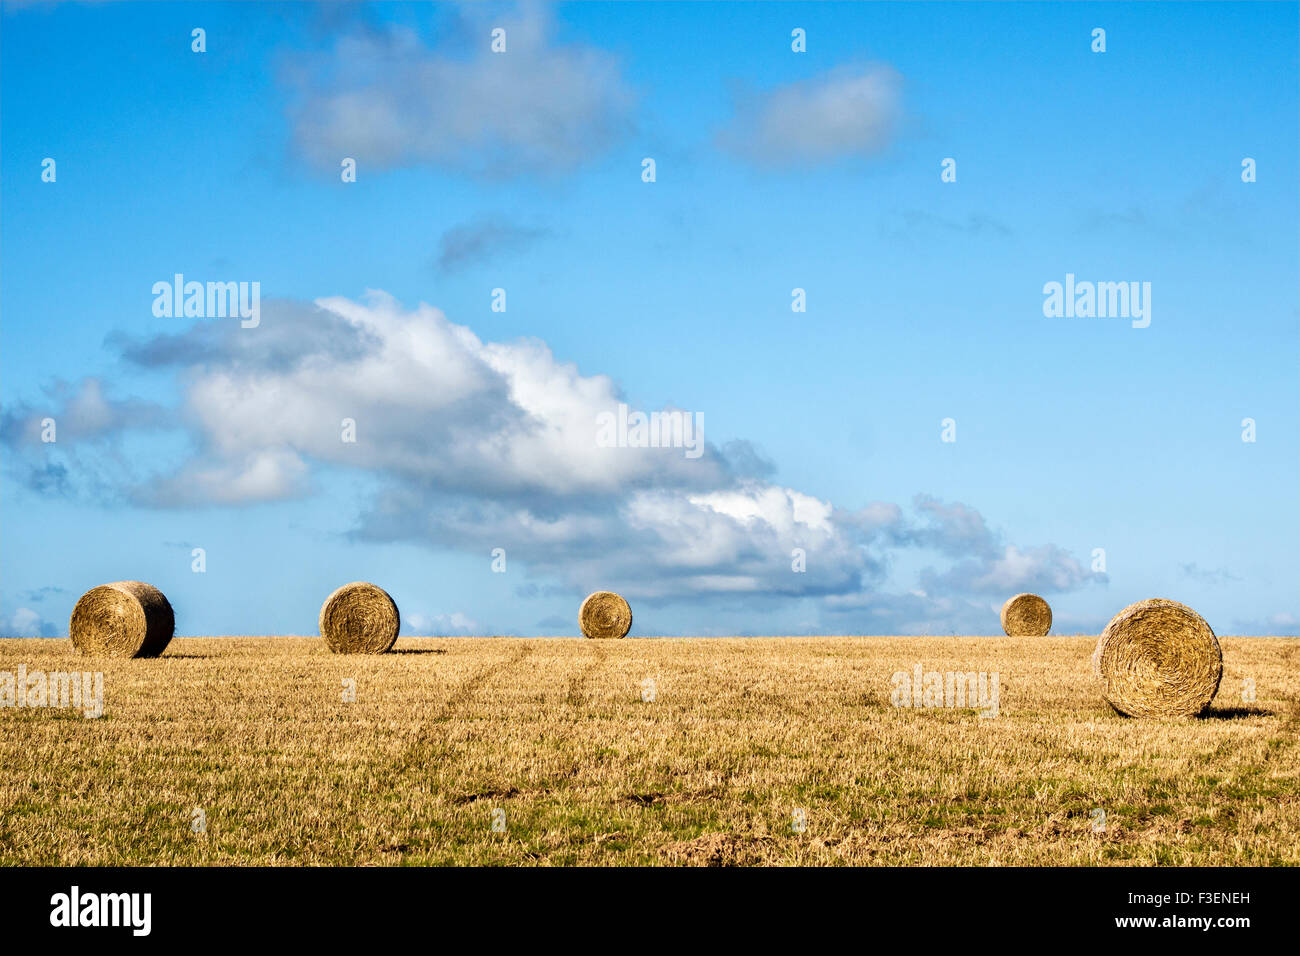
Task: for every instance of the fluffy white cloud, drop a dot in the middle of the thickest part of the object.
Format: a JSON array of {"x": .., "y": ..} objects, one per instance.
[
  {"x": 474, "y": 445},
  {"x": 264, "y": 474},
  {"x": 433, "y": 405}
]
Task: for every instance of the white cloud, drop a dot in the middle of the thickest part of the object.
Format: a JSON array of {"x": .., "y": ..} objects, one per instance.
[
  {"x": 80, "y": 411},
  {"x": 432, "y": 404},
  {"x": 473, "y": 445},
  {"x": 24, "y": 622},
  {"x": 387, "y": 100},
  {"x": 265, "y": 474},
  {"x": 782, "y": 508},
  {"x": 1045, "y": 568},
  {"x": 849, "y": 111},
  {"x": 457, "y": 623},
  {"x": 1283, "y": 622}
]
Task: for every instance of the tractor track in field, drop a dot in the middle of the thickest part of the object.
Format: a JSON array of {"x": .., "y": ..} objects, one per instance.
[
  {"x": 426, "y": 749},
  {"x": 467, "y": 689},
  {"x": 575, "y": 693}
]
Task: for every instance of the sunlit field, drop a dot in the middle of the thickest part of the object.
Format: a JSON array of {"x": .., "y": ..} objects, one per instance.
[{"x": 735, "y": 751}]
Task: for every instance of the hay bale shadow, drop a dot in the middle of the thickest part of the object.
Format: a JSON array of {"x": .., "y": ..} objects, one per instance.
[{"x": 1236, "y": 713}]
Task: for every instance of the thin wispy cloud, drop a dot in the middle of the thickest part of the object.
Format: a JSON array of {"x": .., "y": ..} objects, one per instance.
[
  {"x": 920, "y": 224},
  {"x": 389, "y": 100},
  {"x": 850, "y": 111},
  {"x": 1209, "y": 577},
  {"x": 482, "y": 240}
]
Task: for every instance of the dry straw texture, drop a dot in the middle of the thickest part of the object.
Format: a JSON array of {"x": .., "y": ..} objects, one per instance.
[
  {"x": 359, "y": 618},
  {"x": 554, "y": 732},
  {"x": 605, "y": 614},
  {"x": 1158, "y": 658},
  {"x": 1026, "y": 615},
  {"x": 122, "y": 619}
]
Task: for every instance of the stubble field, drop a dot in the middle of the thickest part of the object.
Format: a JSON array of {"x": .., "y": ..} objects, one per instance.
[{"x": 752, "y": 751}]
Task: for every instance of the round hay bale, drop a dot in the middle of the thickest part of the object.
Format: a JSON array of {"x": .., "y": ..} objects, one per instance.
[
  {"x": 605, "y": 614},
  {"x": 1158, "y": 658},
  {"x": 359, "y": 618},
  {"x": 122, "y": 619},
  {"x": 1026, "y": 615}
]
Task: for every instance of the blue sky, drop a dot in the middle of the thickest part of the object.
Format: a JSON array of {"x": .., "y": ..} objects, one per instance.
[{"x": 774, "y": 170}]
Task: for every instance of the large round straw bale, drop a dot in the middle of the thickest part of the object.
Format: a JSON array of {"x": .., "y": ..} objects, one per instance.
[
  {"x": 122, "y": 619},
  {"x": 605, "y": 614},
  {"x": 1026, "y": 615},
  {"x": 359, "y": 618},
  {"x": 1158, "y": 658}
]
